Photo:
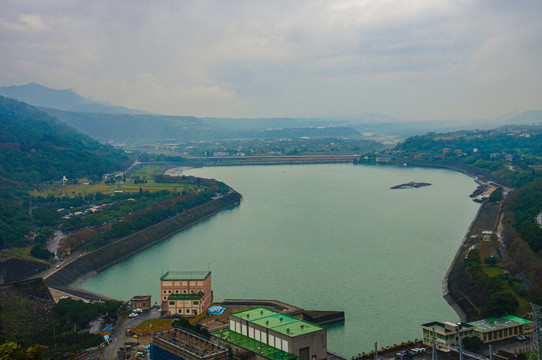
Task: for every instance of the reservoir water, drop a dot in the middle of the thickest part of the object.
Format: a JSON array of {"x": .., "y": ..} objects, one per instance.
[{"x": 322, "y": 237}]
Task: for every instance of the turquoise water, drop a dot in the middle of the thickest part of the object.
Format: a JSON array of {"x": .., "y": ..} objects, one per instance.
[{"x": 322, "y": 237}]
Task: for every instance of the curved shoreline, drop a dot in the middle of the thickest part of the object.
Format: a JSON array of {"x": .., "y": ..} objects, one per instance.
[
  {"x": 445, "y": 289},
  {"x": 450, "y": 295},
  {"x": 446, "y": 292},
  {"x": 88, "y": 265}
]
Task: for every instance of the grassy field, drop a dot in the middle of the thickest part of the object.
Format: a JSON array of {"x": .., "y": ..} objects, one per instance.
[
  {"x": 128, "y": 186},
  {"x": 148, "y": 171},
  {"x": 152, "y": 323},
  {"x": 493, "y": 271}
]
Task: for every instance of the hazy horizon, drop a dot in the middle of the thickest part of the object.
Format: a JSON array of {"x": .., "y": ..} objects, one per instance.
[{"x": 423, "y": 60}]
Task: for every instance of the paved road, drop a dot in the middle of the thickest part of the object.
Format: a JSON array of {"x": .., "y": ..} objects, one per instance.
[{"x": 118, "y": 337}]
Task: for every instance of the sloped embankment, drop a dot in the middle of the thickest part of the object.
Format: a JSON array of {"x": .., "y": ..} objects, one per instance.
[
  {"x": 106, "y": 256},
  {"x": 27, "y": 307},
  {"x": 14, "y": 267},
  {"x": 459, "y": 289}
]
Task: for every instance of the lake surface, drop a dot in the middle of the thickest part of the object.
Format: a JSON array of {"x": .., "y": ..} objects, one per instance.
[{"x": 322, "y": 237}]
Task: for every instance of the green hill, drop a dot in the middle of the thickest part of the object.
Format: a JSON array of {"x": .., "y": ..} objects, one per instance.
[{"x": 35, "y": 148}]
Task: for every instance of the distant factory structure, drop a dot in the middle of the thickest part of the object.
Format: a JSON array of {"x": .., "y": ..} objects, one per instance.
[{"x": 186, "y": 293}]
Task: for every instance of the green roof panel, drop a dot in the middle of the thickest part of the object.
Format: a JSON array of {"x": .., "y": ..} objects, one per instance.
[
  {"x": 269, "y": 352},
  {"x": 185, "y": 275},
  {"x": 492, "y": 324}
]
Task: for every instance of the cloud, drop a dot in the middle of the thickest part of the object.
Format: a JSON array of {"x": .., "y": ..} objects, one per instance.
[{"x": 420, "y": 59}]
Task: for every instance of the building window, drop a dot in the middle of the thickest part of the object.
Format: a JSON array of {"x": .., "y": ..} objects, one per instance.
[
  {"x": 188, "y": 311},
  {"x": 176, "y": 291},
  {"x": 191, "y": 291},
  {"x": 165, "y": 292},
  {"x": 184, "y": 291},
  {"x": 180, "y": 311},
  {"x": 169, "y": 291},
  {"x": 196, "y": 302},
  {"x": 172, "y": 303},
  {"x": 165, "y": 297}
]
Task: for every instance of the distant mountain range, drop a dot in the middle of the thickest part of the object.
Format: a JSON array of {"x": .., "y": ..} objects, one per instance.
[
  {"x": 120, "y": 125},
  {"x": 66, "y": 99}
]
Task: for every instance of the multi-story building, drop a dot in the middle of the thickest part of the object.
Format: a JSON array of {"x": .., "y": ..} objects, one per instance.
[
  {"x": 186, "y": 293},
  {"x": 446, "y": 333},
  {"x": 271, "y": 335},
  {"x": 488, "y": 330}
]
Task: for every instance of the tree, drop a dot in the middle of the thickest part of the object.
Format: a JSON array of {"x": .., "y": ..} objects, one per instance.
[
  {"x": 496, "y": 195},
  {"x": 491, "y": 260},
  {"x": 12, "y": 351},
  {"x": 501, "y": 303}
]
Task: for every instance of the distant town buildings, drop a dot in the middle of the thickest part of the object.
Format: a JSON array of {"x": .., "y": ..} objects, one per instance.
[{"x": 186, "y": 293}]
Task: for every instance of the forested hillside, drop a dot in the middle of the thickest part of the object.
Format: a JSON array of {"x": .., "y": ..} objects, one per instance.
[{"x": 35, "y": 147}]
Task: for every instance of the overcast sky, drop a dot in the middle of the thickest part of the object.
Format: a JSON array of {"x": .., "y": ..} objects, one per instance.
[{"x": 412, "y": 59}]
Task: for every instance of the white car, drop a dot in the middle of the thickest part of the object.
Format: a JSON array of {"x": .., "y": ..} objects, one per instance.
[{"x": 133, "y": 315}]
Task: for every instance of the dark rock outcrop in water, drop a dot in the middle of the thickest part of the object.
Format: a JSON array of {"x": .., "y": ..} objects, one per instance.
[{"x": 410, "y": 185}]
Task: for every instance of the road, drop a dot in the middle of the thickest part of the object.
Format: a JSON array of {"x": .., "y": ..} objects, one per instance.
[{"x": 118, "y": 335}]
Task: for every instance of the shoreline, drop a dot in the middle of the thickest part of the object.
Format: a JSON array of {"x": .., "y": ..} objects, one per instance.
[
  {"x": 446, "y": 292},
  {"x": 98, "y": 260},
  {"x": 445, "y": 288},
  {"x": 471, "y": 300}
]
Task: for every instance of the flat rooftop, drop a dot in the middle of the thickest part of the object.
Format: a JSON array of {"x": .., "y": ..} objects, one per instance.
[
  {"x": 183, "y": 341},
  {"x": 276, "y": 321},
  {"x": 504, "y": 322},
  {"x": 269, "y": 352},
  {"x": 440, "y": 326},
  {"x": 185, "y": 275}
]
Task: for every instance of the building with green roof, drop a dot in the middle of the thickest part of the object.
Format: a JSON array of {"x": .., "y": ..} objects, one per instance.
[
  {"x": 488, "y": 330},
  {"x": 276, "y": 334},
  {"x": 495, "y": 329}
]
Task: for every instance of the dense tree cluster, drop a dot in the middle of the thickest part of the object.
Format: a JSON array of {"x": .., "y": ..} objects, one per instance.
[
  {"x": 507, "y": 155},
  {"x": 526, "y": 205},
  {"x": 63, "y": 335},
  {"x": 502, "y": 300},
  {"x": 35, "y": 148}
]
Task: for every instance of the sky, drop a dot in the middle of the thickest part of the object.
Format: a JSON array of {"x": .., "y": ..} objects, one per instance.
[{"x": 411, "y": 59}]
